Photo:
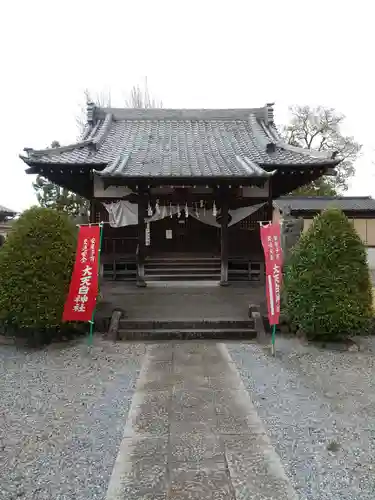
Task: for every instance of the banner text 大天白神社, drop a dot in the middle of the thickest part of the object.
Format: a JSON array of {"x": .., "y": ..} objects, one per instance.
[
  {"x": 84, "y": 285},
  {"x": 271, "y": 241}
]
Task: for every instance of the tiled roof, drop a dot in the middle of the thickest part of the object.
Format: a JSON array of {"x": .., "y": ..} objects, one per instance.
[
  {"x": 180, "y": 143},
  {"x": 6, "y": 210},
  {"x": 318, "y": 203}
]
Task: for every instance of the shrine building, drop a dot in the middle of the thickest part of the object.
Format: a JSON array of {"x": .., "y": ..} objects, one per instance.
[
  {"x": 6, "y": 216},
  {"x": 181, "y": 191}
]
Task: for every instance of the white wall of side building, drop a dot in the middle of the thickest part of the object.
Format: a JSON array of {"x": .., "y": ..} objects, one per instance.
[
  {"x": 371, "y": 258},
  {"x": 366, "y": 230}
]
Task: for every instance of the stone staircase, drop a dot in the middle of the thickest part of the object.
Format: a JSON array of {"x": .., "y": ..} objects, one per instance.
[
  {"x": 183, "y": 312},
  {"x": 182, "y": 269},
  {"x": 188, "y": 329}
]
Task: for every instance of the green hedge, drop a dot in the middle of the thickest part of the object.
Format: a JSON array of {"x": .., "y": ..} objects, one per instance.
[
  {"x": 35, "y": 269},
  {"x": 327, "y": 283}
]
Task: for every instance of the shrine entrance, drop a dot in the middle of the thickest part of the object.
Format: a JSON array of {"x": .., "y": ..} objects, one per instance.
[{"x": 183, "y": 235}]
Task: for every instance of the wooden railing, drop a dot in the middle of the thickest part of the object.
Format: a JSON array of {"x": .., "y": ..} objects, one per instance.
[
  {"x": 243, "y": 269},
  {"x": 120, "y": 246}
]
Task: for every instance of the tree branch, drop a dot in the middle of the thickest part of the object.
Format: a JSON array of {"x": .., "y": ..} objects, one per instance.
[{"x": 322, "y": 125}]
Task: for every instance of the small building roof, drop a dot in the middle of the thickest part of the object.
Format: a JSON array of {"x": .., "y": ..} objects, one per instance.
[
  {"x": 180, "y": 143},
  {"x": 318, "y": 203},
  {"x": 7, "y": 211}
]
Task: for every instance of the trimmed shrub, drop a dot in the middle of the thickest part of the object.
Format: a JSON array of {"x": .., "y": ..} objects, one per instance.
[
  {"x": 327, "y": 281},
  {"x": 35, "y": 268}
]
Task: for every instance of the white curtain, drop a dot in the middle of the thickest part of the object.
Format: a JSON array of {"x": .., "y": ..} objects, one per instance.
[
  {"x": 207, "y": 216},
  {"x": 123, "y": 213}
]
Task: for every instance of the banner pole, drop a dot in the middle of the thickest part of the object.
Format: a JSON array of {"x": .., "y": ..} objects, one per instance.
[
  {"x": 273, "y": 340},
  {"x": 91, "y": 334}
]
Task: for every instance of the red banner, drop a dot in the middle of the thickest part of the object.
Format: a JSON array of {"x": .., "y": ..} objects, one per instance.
[
  {"x": 84, "y": 285},
  {"x": 271, "y": 240}
]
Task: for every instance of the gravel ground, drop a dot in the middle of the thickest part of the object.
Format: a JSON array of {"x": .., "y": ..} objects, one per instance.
[
  {"x": 319, "y": 407},
  {"x": 63, "y": 410},
  {"x": 62, "y": 415}
]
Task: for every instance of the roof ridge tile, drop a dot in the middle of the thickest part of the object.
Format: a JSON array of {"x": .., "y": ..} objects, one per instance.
[{"x": 189, "y": 114}]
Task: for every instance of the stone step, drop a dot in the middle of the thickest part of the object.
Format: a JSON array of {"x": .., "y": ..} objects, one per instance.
[
  {"x": 177, "y": 265},
  {"x": 185, "y": 324},
  {"x": 182, "y": 259},
  {"x": 184, "y": 265},
  {"x": 184, "y": 283},
  {"x": 188, "y": 334},
  {"x": 180, "y": 276},
  {"x": 181, "y": 270},
  {"x": 191, "y": 270}
]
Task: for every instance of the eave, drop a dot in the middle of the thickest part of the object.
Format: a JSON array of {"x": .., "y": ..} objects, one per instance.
[
  {"x": 184, "y": 181},
  {"x": 75, "y": 178},
  {"x": 286, "y": 177},
  {"x": 36, "y": 167}
]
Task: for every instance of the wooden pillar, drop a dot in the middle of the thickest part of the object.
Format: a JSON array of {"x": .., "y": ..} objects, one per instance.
[
  {"x": 141, "y": 249},
  {"x": 269, "y": 217},
  {"x": 92, "y": 211},
  {"x": 224, "y": 238},
  {"x": 270, "y": 201}
]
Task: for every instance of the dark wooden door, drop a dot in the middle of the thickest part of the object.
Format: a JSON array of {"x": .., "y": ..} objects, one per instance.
[
  {"x": 181, "y": 234},
  {"x": 178, "y": 234}
]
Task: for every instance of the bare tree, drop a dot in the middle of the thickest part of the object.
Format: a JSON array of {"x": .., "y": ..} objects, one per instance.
[
  {"x": 102, "y": 99},
  {"x": 320, "y": 129},
  {"x": 53, "y": 196},
  {"x": 141, "y": 98},
  {"x": 138, "y": 97}
]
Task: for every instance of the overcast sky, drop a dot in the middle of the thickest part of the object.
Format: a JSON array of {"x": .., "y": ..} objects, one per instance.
[{"x": 200, "y": 54}]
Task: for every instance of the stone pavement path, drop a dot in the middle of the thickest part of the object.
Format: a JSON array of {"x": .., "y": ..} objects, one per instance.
[{"x": 193, "y": 433}]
